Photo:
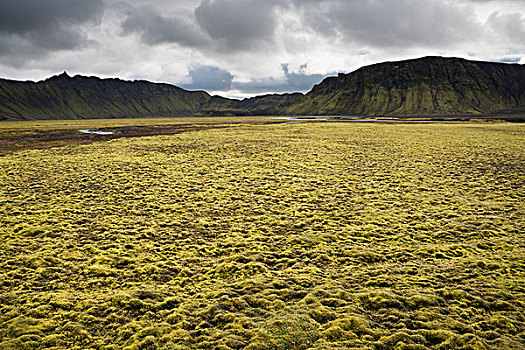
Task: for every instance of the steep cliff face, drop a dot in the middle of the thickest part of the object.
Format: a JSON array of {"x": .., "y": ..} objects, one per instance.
[
  {"x": 426, "y": 86},
  {"x": 64, "y": 97}
]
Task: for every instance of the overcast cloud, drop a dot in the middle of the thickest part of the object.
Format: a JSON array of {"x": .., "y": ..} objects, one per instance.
[
  {"x": 50, "y": 24},
  {"x": 248, "y": 47}
]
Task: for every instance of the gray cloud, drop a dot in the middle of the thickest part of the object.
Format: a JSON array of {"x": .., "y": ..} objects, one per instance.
[
  {"x": 508, "y": 25},
  {"x": 210, "y": 79},
  {"x": 508, "y": 60},
  {"x": 247, "y": 38},
  {"x": 238, "y": 24},
  {"x": 385, "y": 23},
  {"x": 215, "y": 25},
  {"x": 216, "y": 79},
  {"x": 291, "y": 82},
  {"x": 49, "y": 24},
  {"x": 156, "y": 29},
  {"x": 301, "y": 81}
]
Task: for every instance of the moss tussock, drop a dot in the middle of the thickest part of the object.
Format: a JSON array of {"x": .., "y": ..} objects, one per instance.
[{"x": 297, "y": 236}]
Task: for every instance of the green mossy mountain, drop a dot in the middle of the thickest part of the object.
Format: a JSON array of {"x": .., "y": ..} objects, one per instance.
[
  {"x": 65, "y": 97},
  {"x": 426, "y": 86}
]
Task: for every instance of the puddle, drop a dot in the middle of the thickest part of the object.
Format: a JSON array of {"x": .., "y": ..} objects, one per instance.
[
  {"x": 301, "y": 118},
  {"x": 96, "y": 132}
]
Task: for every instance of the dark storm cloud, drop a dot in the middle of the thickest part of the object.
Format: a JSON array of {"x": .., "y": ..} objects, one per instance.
[
  {"x": 247, "y": 38},
  {"x": 49, "y": 24},
  {"x": 156, "y": 29},
  {"x": 386, "y": 23},
  {"x": 251, "y": 25},
  {"x": 215, "y": 25}
]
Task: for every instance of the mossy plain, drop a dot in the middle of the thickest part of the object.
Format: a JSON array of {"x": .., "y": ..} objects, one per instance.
[{"x": 291, "y": 236}]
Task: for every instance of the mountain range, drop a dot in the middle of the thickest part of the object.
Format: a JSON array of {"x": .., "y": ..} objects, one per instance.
[{"x": 429, "y": 86}]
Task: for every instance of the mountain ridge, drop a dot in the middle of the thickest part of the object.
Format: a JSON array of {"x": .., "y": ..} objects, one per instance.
[
  {"x": 424, "y": 86},
  {"x": 84, "y": 97},
  {"x": 429, "y": 86}
]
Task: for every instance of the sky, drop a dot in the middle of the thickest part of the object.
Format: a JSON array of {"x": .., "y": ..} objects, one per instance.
[{"x": 242, "y": 48}]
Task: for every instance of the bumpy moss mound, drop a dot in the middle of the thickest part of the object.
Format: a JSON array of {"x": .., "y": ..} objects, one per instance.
[{"x": 310, "y": 236}]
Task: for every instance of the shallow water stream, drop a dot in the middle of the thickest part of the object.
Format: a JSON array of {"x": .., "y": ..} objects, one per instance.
[
  {"x": 96, "y": 132},
  {"x": 347, "y": 119}
]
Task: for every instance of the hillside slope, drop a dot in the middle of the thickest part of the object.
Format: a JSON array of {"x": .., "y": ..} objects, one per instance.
[
  {"x": 425, "y": 86},
  {"x": 64, "y": 97}
]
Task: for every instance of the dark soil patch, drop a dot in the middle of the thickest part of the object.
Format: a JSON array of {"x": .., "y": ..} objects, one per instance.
[{"x": 15, "y": 141}]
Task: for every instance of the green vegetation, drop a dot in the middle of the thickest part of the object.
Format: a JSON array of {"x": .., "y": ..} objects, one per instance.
[
  {"x": 291, "y": 236},
  {"x": 39, "y": 125},
  {"x": 23, "y": 135},
  {"x": 79, "y": 97},
  {"x": 430, "y": 86},
  {"x": 425, "y": 86}
]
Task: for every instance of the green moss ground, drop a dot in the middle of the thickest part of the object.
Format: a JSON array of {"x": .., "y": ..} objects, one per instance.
[
  {"x": 293, "y": 236},
  {"x": 31, "y": 125}
]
